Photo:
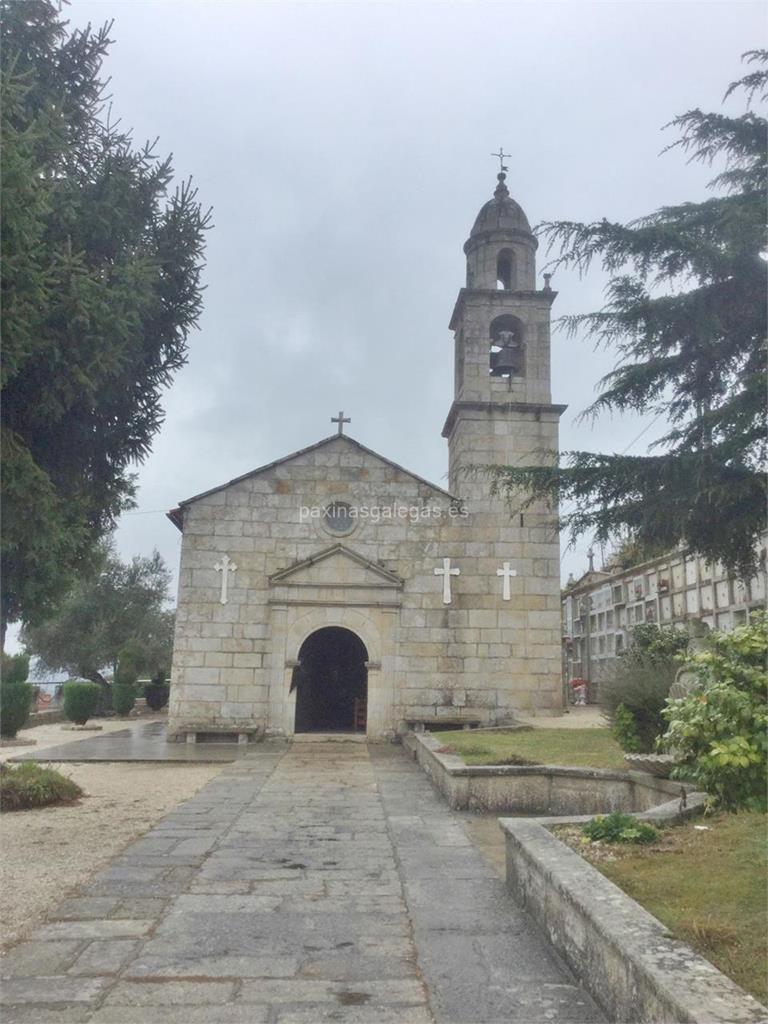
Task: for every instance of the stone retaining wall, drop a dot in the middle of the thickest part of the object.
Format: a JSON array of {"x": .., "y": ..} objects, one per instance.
[
  {"x": 623, "y": 955},
  {"x": 539, "y": 789}
]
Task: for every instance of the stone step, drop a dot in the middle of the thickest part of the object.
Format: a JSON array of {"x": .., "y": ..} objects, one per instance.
[{"x": 330, "y": 737}]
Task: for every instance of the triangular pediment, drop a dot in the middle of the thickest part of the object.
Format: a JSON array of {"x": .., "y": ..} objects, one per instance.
[
  {"x": 337, "y": 566},
  {"x": 343, "y": 440}
]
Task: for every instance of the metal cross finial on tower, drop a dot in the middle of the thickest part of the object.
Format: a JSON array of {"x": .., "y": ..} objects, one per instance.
[
  {"x": 341, "y": 419},
  {"x": 501, "y": 154}
]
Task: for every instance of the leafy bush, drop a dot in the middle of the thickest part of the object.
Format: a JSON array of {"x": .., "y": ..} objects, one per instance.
[
  {"x": 619, "y": 828},
  {"x": 719, "y": 733},
  {"x": 157, "y": 692},
  {"x": 634, "y": 697},
  {"x": 625, "y": 731},
  {"x": 660, "y": 641},
  {"x": 80, "y": 700},
  {"x": 30, "y": 785},
  {"x": 123, "y": 698},
  {"x": 15, "y": 694},
  {"x": 126, "y": 677},
  {"x": 15, "y": 705},
  {"x": 15, "y": 668}
]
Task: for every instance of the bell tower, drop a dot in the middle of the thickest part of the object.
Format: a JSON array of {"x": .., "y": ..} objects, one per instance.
[{"x": 501, "y": 412}]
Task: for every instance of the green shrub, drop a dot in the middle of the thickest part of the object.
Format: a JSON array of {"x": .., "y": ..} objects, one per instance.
[
  {"x": 123, "y": 697},
  {"x": 80, "y": 700},
  {"x": 634, "y": 697},
  {"x": 157, "y": 692},
  {"x": 660, "y": 641},
  {"x": 719, "y": 733},
  {"x": 30, "y": 785},
  {"x": 624, "y": 730},
  {"x": 124, "y": 685},
  {"x": 15, "y": 694},
  {"x": 15, "y": 705},
  {"x": 15, "y": 668},
  {"x": 619, "y": 828}
]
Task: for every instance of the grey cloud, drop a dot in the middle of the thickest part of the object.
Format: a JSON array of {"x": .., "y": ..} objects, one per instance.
[{"x": 345, "y": 150}]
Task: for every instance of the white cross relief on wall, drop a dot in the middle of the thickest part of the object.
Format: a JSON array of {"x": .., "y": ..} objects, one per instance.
[
  {"x": 446, "y": 572},
  {"x": 507, "y": 575},
  {"x": 225, "y": 567}
]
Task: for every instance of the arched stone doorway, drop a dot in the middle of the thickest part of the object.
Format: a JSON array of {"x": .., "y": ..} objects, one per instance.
[{"x": 331, "y": 682}]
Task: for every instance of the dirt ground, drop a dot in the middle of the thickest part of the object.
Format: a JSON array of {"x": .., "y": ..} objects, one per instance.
[{"x": 46, "y": 854}]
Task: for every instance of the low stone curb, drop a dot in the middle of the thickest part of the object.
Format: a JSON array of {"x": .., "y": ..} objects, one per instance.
[
  {"x": 557, "y": 790},
  {"x": 624, "y": 956}
]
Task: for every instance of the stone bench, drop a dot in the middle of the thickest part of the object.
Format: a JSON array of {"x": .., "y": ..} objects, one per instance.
[{"x": 212, "y": 734}]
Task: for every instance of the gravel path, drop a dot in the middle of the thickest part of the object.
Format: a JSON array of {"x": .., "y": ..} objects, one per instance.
[{"x": 46, "y": 854}]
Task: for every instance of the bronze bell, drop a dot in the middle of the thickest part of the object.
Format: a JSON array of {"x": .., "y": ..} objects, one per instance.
[{"x": 505, "y": 362}]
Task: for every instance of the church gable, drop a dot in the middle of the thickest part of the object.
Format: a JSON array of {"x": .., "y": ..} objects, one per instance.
[
  {"x": 337, "y": 566},
  {"x": 324, "y": 455}
]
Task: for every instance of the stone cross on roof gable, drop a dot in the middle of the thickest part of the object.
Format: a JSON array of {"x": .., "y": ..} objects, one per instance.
[{"x": 341, "y": 419}]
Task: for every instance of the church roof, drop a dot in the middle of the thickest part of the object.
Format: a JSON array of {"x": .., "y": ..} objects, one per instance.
[
  {"x": 176, "y": 514},
  {"x": 501, "y": 213}
]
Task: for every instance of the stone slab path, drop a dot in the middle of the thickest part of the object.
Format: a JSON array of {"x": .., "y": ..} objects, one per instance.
[
  {"x": 328, "y": 883},
  {"x": 140, "y": 741}
]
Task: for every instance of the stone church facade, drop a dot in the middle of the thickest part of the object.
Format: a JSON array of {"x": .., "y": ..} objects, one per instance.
[{"x": 334, "y": 590}]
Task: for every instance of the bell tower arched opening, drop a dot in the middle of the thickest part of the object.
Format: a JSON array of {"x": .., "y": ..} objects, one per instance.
[
  {"x": 331, "y": 682},
  {"x": 505, "y": 267},
  {"x": 507, "y": 347}
]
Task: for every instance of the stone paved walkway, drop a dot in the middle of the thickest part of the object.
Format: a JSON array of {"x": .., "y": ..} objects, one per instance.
[
  {"x": 325, "y": 883},
  {"x": 139, "y": 741}
]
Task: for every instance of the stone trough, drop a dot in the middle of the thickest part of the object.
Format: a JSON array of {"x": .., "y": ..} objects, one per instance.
[{"x": 548, "y": 790}]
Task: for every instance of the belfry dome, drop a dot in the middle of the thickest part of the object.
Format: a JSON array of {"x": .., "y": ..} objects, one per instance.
[{"x": 501, "y": 213}]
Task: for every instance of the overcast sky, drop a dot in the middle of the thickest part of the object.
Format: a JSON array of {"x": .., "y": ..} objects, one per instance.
[{"x": 344, "y": 148}]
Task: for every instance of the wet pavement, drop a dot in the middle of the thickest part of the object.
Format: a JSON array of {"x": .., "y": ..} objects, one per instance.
[
  {"x": 325, "y": 883},
  {"x": 145, "y": 741}
]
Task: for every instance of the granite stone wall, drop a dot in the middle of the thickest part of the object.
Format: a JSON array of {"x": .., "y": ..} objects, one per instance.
[{"x": 479, "y": 657}]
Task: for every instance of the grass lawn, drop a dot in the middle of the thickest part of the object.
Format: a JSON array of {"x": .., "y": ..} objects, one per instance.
[
  {"x": 708, "y": 888},
  {"x": 588, "y": 748}
]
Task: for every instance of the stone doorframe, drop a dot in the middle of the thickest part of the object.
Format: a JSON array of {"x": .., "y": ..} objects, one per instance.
[{"x": 291, "y": 627}]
